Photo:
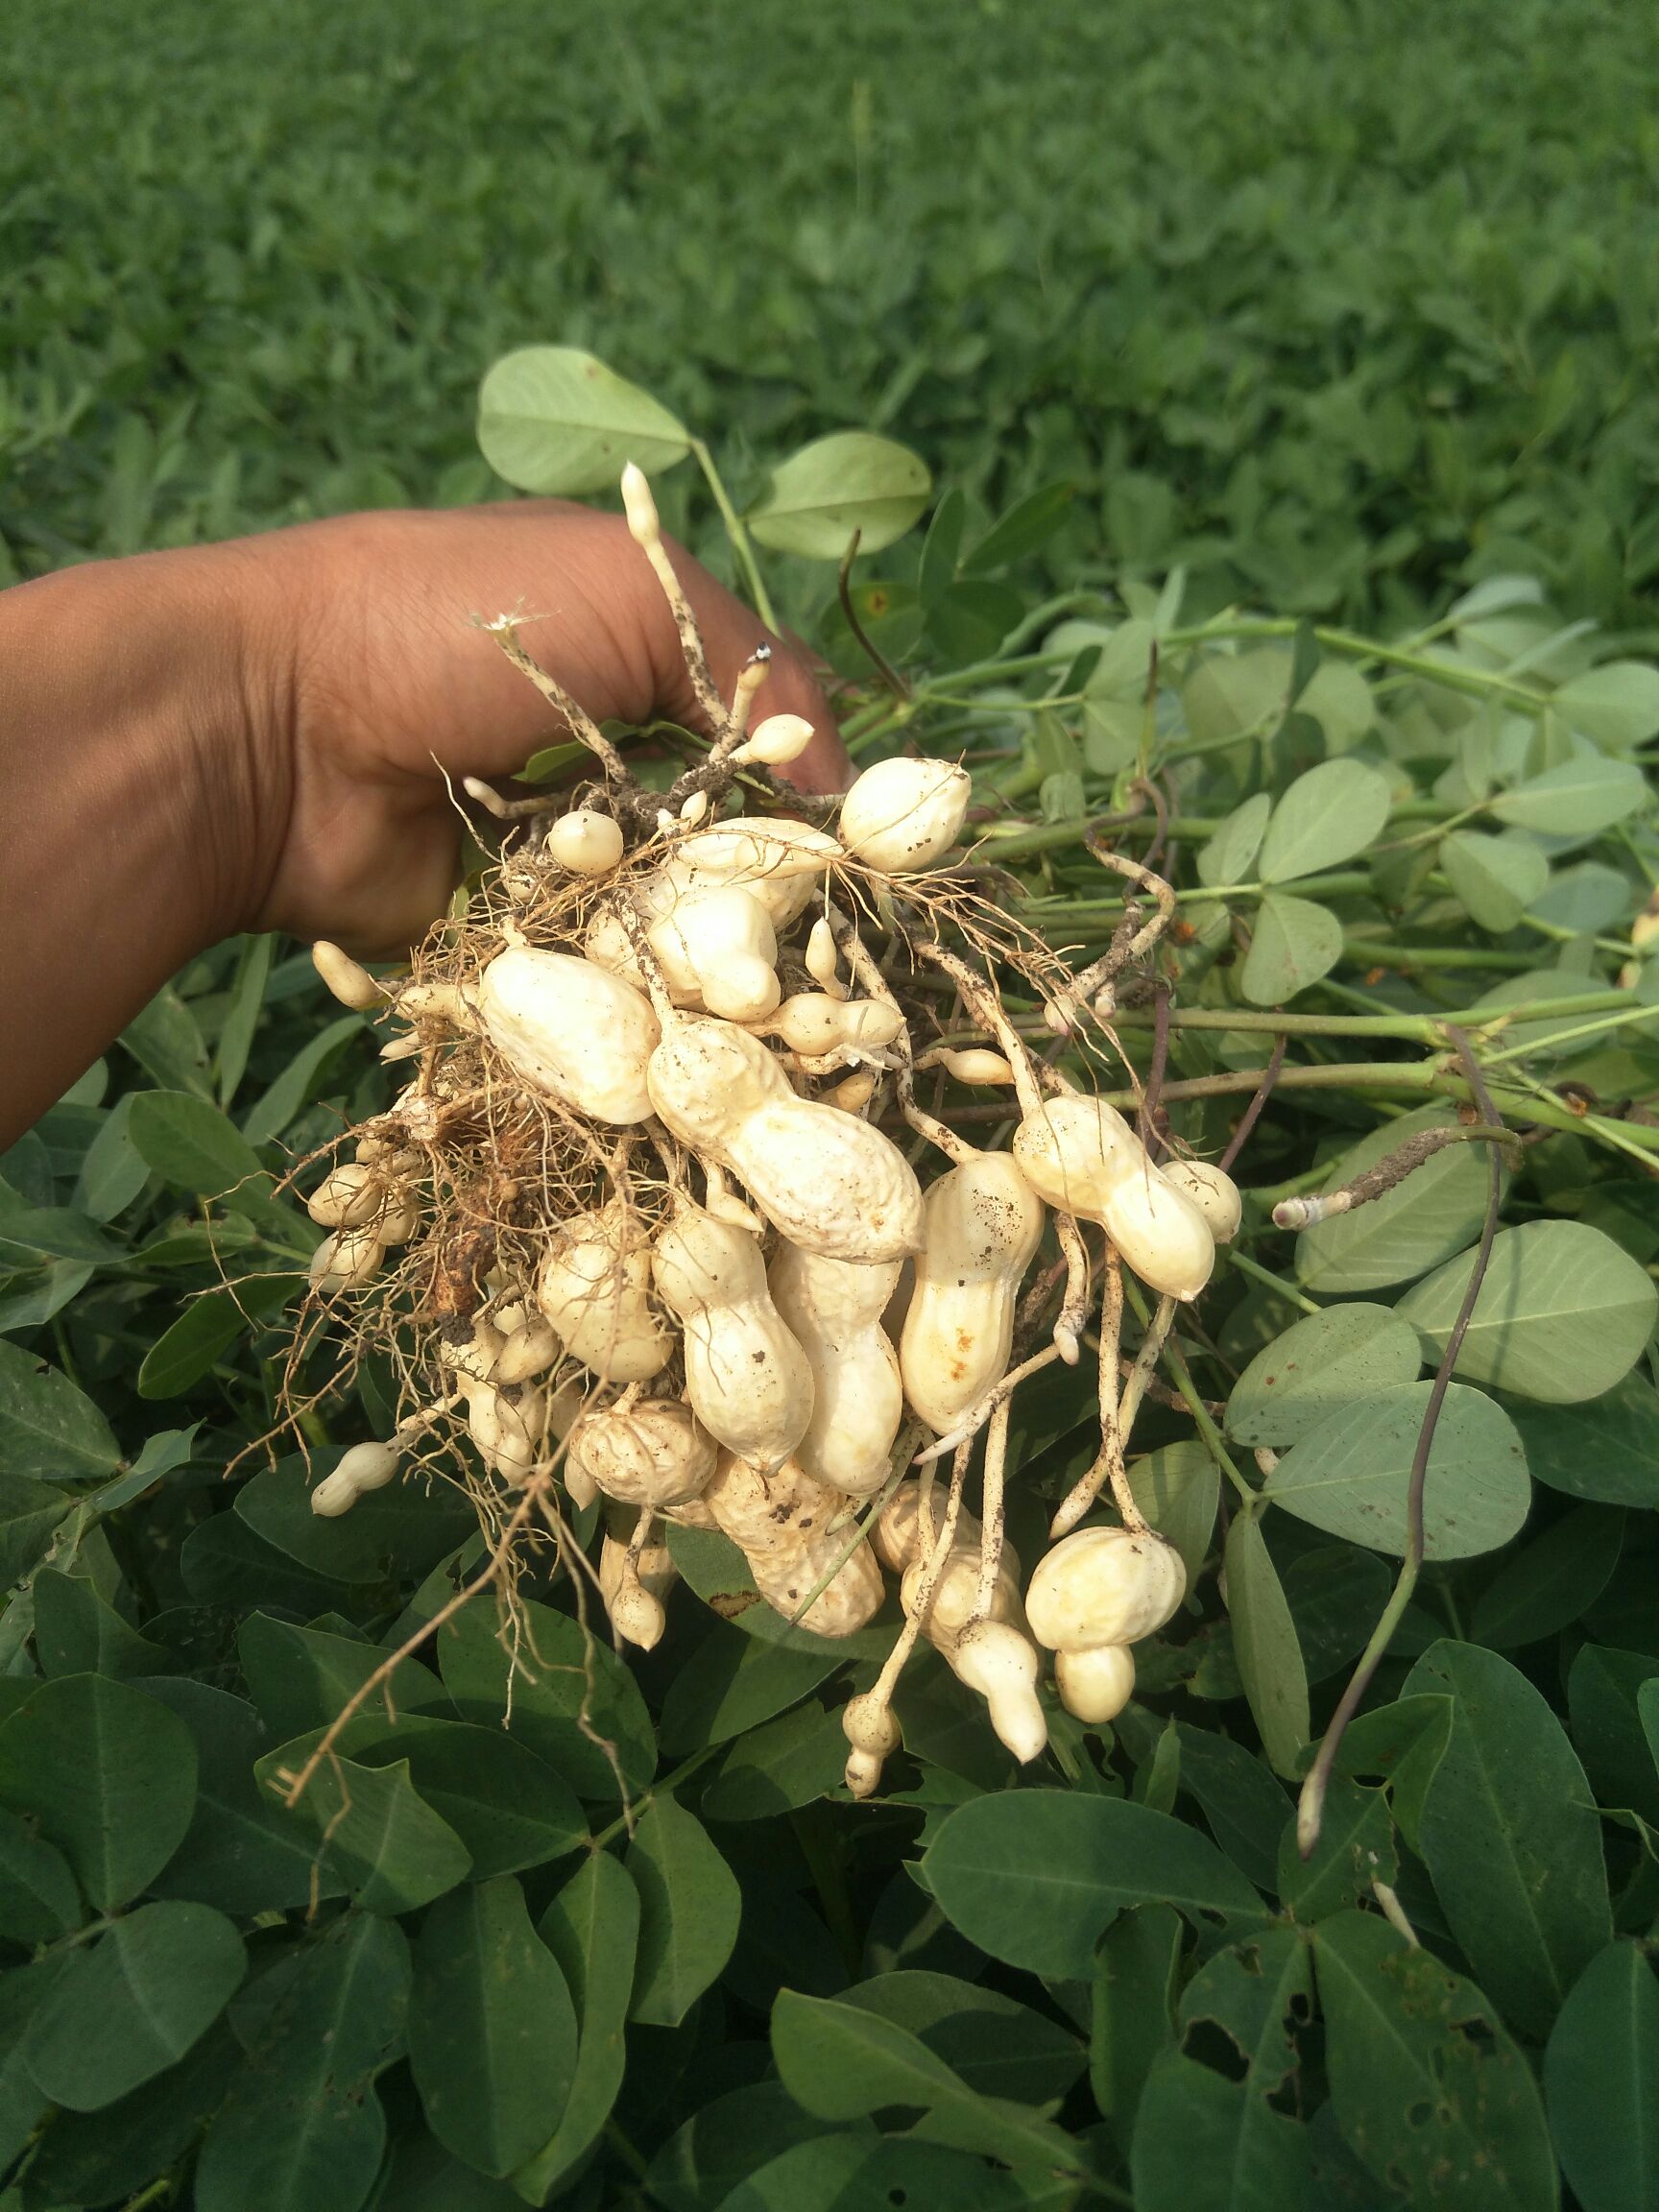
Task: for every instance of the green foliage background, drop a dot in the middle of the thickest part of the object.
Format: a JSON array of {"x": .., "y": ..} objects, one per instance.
[{"x": 1342, "y": 326}]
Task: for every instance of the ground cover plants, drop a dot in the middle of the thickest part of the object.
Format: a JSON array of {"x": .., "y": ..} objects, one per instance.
[{"x": 1348, "y": 1904}]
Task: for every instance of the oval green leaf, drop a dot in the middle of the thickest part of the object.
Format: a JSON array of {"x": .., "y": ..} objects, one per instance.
[
  {"x": 1575, "y": 798},
  {"x": 1294, "y": 943},
  {"x": 552, "y": 418},
  {"x": 851, "y": 480},
  {"x": 1324, "y": 817},
  {"x": 1318, "y": 1366},
  {"x": 689, "y": 1906},
  {"x": 49, "y": 1427},
  {"x": 1264, "y": 1642},
  {"x": 1350, "y": 1476},
  {"x": 1601, "y": 2084},
  {"x": 1422, "y": 1220},
  {"x": 1563, "y": 1313},
  {"x": 1495, "y": 879}
]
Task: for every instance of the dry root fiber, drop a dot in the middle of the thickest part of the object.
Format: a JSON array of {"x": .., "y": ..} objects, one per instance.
[{"x": 639, "y": 1225}]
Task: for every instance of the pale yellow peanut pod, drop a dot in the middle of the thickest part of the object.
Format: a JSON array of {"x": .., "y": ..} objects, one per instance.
[
  {"x": 822, "y": 962},
  {"x": 348, "y": 981},
  {"x": 994, "y": 1658},
  {"x": 1096, "y": 1685},
  {"x": 571, "y": 1030},
  {"x": 594, "y": 1291},
  {"x": 1103, "y": 1585},
  {"x": 718, "y": 949},
  {"x": 652, "y": 1453},
  {"x": 956, "y": 1600},
  {"x": 507, "y": 1427},
  {"x": 975, "y": 1064},
  {"x": 782, "y": 1523},
  {"x": 833, "y": 1308},
  {"x": 831, "y": 1184},
  {"x": 401, "y": 1219},
  {"x": 898, "y": 1527},
  {"x": 746, "y": 1377},
  {"x": 583, "y": 842},
  {"x": 634, "y": 1591},
  {"x": 1082, "y": 1156},
  {"x": 871, "y": 1729},
  {"x": 813, "y": 1022},
  {"x": 441, "y": 1002},
  {"x": 528, "y": 1350},
  {"x": 781, "y": 861},
  {"x": 853, "y": 1095},
  {"x": 777, "y": 742},
  {"x": 904, "y": 814},
  {"x": 1213, "y": 1190},
  {"x": 347, "y": 1197},
  {"x": 346, "y": 1259},
  {"x": 364, "y": 1467},
  {"x": 472, "y": 1348},
  {"x": 407, "y": 1045},
  {"x": 984, "y": 1223},
  {"x": 565, "y": 1408}
]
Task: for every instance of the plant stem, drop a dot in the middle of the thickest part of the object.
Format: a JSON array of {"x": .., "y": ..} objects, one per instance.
[
  {"x": 1483, "y": 682},
  {"x": 738, "y": 535},
  {"x": 1266, "y": 1276}
]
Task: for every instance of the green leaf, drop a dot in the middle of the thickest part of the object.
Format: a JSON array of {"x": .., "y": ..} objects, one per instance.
[
  {"x": 299, "y": 1679},
  {"x": 1349, "y": 1474},
  {"x": 1575, "y": 798},
  {"x": 1236, "y": 694},
  {"x": 132, "y": 2005},
  {"x": 38, "y": 1900},
  {"x": 851, "y": 480},
  {"x": 1422, "y": 1220},
  {"x": 1324, "y": 817},
  {"x": 1238, "y": 1796},
  {"x": 1131, "y": 2009},
  {"x": 491, "y": 2029},
  {"x": 1603, "y": 1689},
  {"x": 113, "y": 1172},
  {"x": 1317, "y": 1367},
  {"x": 1293, "y": 944},
  {"x": 1356, "y": 1849},
  {"x": 403, "y": 1529},
  {"x": 1229, "y": 854},
  {"x": 689, "y": 1905},
  {"x": 1027, "y": 525},
  {"x": 52, "y": 1231},
  {"x": 1265, "y": 1638},
  {"x": 209, "y": 1325},
  {"x": 854, "y": 2172},
  {"x": 1584, "y": 898},
  {"x": 191, "y": 1145},
  {"x": 1563, "y": 1313},
  {"x": 48, "y": 1428},
  {"x": 552, "y": 418},
  {"x": 714, "y": 1568},
  {"x": 167, "y": 1045},
  {"x": 224, "y": 1563},
  {"x": 1209, "y": 2142},
  {"x": 1495, "y": 879},
  {"x": 992, "y": 2042},
  {"x": 1034, "y": 1877},
  {"x": 1606, "y": 1450},
  {"x": 1601, "y": 2084},
  {"x": 240, "y": 1853},
  {"x": 1178, "y": 1489},
  {"x": 110, "y": 2157},
  {"x": 1404, "y": 1743},
  {"x": 737, "y": 2136},
  {"x": 842, "y": 2062},
  {"x": 592, "y": 1930},
  {"x": 301, "y": 2129},
  {"x": 54, "y": 1286},
  {"x": 1511, "y": 1836},
  {"x": 278, "y": 1105},
  {"x": 1614, "y": 706},
  {"x": 731, "y": 1683},
  {"x": 76, "y": 1633},
  {"x": 394, "y": 1851},
  {"x": 781, "y": 1765},
  {"x": 1546, "y": 1586},
  {"x": 28, "y": 1514},
  {"x": 23, "y": 2103},
  {"x": 573, "y": 1701},
  {"x": 1429, "y": 2092},
  {"x": 509, "y": 1809},
  {"x": 110, "y": 1776}
]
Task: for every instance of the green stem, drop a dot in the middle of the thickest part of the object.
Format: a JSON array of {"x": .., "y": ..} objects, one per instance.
[
  {"x": 1560, "y": 1036},
  {"x": 1482, "y": 683},
  {"x": 1174, "y": 1359},
  {"x": 1375, "y": 954},
  {"x": 669, "y": 1783},
  {"x": 738, "y": 535},
  {"x": 1266, "y": 1276}
]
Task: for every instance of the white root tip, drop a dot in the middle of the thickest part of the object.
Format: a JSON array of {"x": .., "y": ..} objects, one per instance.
[
  {"x": 693, "y": 809},
  {"x": 1066, "y": 1344},
  {"x": 347, "y": 978},
  {"x": 489, "y": 800},
  {"x": 1061, "y": 1016}
]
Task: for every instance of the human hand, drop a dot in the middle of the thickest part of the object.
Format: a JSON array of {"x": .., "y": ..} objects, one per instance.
[{"x": 383, "y": 681}]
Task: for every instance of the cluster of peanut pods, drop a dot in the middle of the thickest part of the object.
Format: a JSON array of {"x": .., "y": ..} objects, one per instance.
[{"x": 758, "y": 1344}]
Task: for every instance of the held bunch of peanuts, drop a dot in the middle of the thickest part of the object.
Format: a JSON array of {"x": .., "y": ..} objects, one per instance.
[{"x": 660, "y": 1220}]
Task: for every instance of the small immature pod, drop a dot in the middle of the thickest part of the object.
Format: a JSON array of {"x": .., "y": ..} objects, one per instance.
[
  {"x": 1096, "y": 1685},
  {"x": 777, "y": 742},
  {"x": 956, "y": 1600},
  {"x": 718, "y": 949},
  {"x": 813, "y": 1022},
  {"x": 821, "y": 959},
  {"x": 528, "y": 1350},
  {"x": 1104, "y": 1585},
  {"x": 349, "y": 982},
  {"x": 652, "y": 1453},
  {"x": 994, "y": 1658},
  {"x": 746, "y": 1377},
  {"x": 904, "y": 814},
  {"x": 507, "y": 1428},
  {"x": 873, "y": 1732},
  {"x": 594, "y": 1291},
  {"x": 782, "y": 1524},
  {"x": 346, "y": 1260},
  {"x": 441, "y": 1002},
  {"x": 364, "y": 1467},
  {"x": 1213, "y": 1190},
  {"x": 895, "y": 1534},
  {"x": 346, "y": 1197},
  {"x": 983, "y": 1225},
  {"x": 831, "y": 1184},
  {"x": 583, "y": 842},
  {"x": 853, "y": 1094},
  {"x": 634, "y": 1591},
  {"x": 1162, "y": 1235},
  {"x": 571, "y": 1030},
  {"x": 835, "y": 1308},
  {"x": 976, "y": 1065}
]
